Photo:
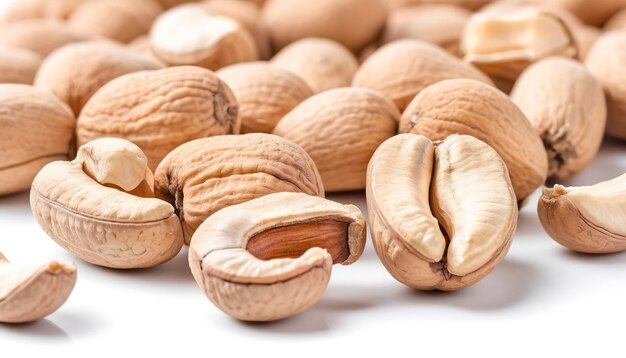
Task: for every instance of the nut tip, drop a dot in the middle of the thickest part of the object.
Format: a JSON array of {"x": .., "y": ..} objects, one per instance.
[{"x": 55, "y": 267}]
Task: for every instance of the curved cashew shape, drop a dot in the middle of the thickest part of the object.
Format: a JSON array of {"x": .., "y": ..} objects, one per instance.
[
  {"x": 31, "y": 293},
  {"x": 101, "y": 207},
  {"x": 270, "y": 258}
]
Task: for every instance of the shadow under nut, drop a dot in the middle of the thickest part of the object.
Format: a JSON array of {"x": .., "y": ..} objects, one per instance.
[{"x": 108, "y": 243}]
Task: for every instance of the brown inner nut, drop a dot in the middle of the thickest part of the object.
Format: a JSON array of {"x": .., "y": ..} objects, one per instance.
[{"x": 294, "y": 240}]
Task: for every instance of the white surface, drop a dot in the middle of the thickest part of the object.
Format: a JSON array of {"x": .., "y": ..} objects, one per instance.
[{"x": 540, "y": 298}]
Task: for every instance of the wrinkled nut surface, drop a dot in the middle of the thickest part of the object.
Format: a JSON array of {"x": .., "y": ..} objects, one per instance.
[
  {"x": 37, "y": 9},
  {"x": 89, "y": 207},
  {"x": 352, "y": 23},
  {"x": 503, "y": 40},
  {"x": 606, "y": 61},
  {"x": 37, "y": 128},
  {"x": 438, "y": 24},
  {"x": 205, "y": 175},
  {"x": 18, "y": 65},
  {"x": 441, "y": 216},
  {"x": 40, "y": 36},
  {"x": 122, "y": 21},
  {"x": 462, "y": 106},
  {"x": 401, "y": 69},
  {"x": 76, "y": 71},
  {"x": 566, "y": 107},
  {"x": 271, "y": 257},
  {"x": 30, "y": 293},
  {"x": 160, "y": 110},
  {"x": 193, "y": 35},
  {"x": 323, "y": 64},
  {"x": 249, "y": 16},
  {"x": 341, "y": 129},
  {"x": 586, "y": 219},
  {"x": 265, "y": 93}
]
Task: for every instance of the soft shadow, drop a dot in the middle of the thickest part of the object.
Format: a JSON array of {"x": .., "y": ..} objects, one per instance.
[
  {"x": 356, "y": 197},
  {"x": 16, "y": 204},
  {"x": 608, "y": 164},
  {"x": 618, "y": 258},
  {"x": 507, "y": 285},
  {"x": 528, "y": 224},
  {"x": 176, "y": 271},
  {"x": 77, "y": 323},
  {"x": 37, "y": 330},
  {"x": 304, "y": 323}
]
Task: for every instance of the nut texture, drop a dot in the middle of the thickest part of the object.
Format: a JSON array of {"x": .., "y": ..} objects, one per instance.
[
  {"x": 290, "y": 270},
  {"x": 40, "y": 36},
  {"x": 566, "y": 107},
  {"x": 75, "y": 72},
  {"x": 87, "y": 208},
  {"x": 249, "y": 16},
  {"x": 208, "y": 174},
  {"x": 591, "y": 12},
  {"x": 438, "y": 24},
  {"x": 323, "y": 64},
  {"x": 341, "y": 129},
  {"x": 18, "y": 65},
  {"x": 265, "y": 93},
  {"x": 586, "y": 219},
  {"x": 352, "y": 23},
  {"x": 503, "y": 40},
  {"x": 37, "y": 9},
  {"x": 37, "y": 129},
  {"x": 160, "y": 110},
  {"x": 468, "y": 4},
  {"x": 192, "y": 35},
  {"x": 440, "y": 217},
  {"x": 605, "y": 61},
  {"x": 401, "y": 69},
  {"x": 463, "y": 106},
  {"x": 122, "y": 21},
  {"x": 30, "y": 293}
]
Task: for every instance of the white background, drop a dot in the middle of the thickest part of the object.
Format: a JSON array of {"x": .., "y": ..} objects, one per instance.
[{"x": 541, "y": 297}]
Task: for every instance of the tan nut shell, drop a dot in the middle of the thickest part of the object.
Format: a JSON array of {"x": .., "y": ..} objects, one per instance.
[
  {"x": 468, "y": 4},
  {"x": 40, "y": 36},
  {"x": 75, "y": 72},
  {"x": 438, "y": 24},
  {"x": 586, "y": 219},
  {"x": 341, "y": 129},
  {"x": 471, "y": 198},
  {"x": 565, "y": 105},
  {"x": 119, "y": 20},
  {"x": 323, "y": 64},
  {"x": 352, "y": 23},
  {"x": 606, "y": 62},
  {"x": 171, "y": 3},
  {"x": 21, "y": 10},
  {"x": 503, "y": 40},
  {"x": 585, "y": 37},
  {"x": 249, "y": 16},
  {"x": 403, "y": 68},
  {"x": 252, "y": 289},
  {"x": 594, "y": 12},
  {"x": 30, "y": 293},
  {"x": 205, "y": 175},
  {"x": 18, "y": 65},
  {"x": 37, "y": 129},
  {"x": 462, "y": 106},
  {"x": 99, "y": 223},
  {"x": 160, "y": 110},
  {"x": 265, "y": 93},
  {"x": 193, "y": 35}
]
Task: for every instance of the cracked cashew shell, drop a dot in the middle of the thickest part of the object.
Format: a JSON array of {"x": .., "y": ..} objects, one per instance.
[
  {"x": 160, "y": 110},
  {"x": 341, "y": 129},
  {"x": 271, "y": 257},
  {"x": 463, "y": 106},
  {"x": 101, "y": 208},
  {"x": 565, "y": 105},
  {"x": 401, "y": 69},
  {"x": 31, "y": 292},
  {"x": 586, "y": 219},
  {"x": 76, "y": 71},
  {"x": 441, "y": 216},
  {"x": 205, "y": 175},
  {"x": 37, "y": 128}
]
